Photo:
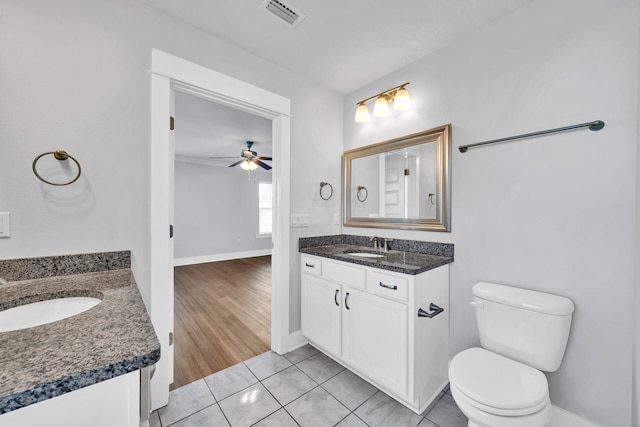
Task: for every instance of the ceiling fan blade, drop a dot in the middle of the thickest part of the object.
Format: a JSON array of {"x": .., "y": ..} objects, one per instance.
[
  {"x": 263, "y": 165},
  {"x": 264, "y": 158},
  {"x": 236, "y": 163},
  {"x": 229, "y": 157}
]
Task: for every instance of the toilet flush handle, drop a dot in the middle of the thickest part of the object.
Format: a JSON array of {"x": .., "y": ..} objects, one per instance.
[{"x": 476, "y": 304}]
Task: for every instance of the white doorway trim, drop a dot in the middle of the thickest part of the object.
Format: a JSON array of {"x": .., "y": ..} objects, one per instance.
[{"x": 169, "y": 74}]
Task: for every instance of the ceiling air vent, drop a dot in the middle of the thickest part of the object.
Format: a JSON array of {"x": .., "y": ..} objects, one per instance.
[{"x": 283, "y": 12}]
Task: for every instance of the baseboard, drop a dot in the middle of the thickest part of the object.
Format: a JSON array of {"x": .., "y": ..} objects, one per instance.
[
  {"x": 564, "y": 418},
  {"x": 220, "y": 257},
  {"x": 295, "y": 340}
]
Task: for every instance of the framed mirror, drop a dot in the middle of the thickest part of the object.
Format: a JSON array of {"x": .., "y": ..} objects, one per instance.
[{"x": 400, "y": 183}]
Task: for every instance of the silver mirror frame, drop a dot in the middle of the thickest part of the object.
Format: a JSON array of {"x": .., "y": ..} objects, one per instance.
[{"x": 441, "y": 135}]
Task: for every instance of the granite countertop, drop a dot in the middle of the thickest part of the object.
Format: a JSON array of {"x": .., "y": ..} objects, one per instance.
[
  {"x": 113, "y": 338},
  {"x": 393, "y": 260}
]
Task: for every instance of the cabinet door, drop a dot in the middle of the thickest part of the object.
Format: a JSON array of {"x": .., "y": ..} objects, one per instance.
[
  {"x": 375, "y": 338},
  {"x": 321, "y": 313}
]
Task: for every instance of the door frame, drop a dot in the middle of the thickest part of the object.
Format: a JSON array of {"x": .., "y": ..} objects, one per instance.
[{"x": 168, "y": 75}]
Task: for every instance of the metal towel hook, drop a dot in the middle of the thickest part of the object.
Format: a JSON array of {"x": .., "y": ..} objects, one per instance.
[{"x": 59, "y": 155}]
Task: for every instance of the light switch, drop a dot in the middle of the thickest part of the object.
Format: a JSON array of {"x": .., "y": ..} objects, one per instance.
[
  {"x": 299, "y": 220},
  {"x": 5, "y": 225}
]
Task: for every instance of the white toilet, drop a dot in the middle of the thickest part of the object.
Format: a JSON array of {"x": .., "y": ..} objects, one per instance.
[{"x": 522, "y": 332}]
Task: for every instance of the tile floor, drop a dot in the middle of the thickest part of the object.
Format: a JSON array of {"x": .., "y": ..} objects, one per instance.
[{"x": 302, "y": 388}]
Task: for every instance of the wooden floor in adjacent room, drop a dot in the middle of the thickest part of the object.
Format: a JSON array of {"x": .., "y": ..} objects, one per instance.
[{"x": 222, "y": 316}]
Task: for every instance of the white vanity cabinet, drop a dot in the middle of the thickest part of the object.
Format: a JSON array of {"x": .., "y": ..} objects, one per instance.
[
  {"x": 367, "y": 319},
  {"x": 375, "y": 338}
]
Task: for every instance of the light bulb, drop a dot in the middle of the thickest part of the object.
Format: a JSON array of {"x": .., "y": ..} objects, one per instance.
[
  {"x": 362, "y": 113},
  {"x": 381, "y": 107},
  {"x": 401, "y": 101},
  {"x": 248, "y": 166}
]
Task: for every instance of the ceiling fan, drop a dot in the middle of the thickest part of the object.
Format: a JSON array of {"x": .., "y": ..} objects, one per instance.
[{"x": 249, "y": 160}]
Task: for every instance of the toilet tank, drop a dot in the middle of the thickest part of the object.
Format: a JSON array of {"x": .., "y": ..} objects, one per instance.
[{"x": 528, "y": 326}]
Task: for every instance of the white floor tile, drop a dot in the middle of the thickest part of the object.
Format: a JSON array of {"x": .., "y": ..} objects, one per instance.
[
  {"x": 230, "y": 381},
  {"x": 382, "y": 411},
  {"x": 267, "y": 364},
  {"x": 209, "y": 417},
  {"x": 299, "y": 354},
  {"x": 249, "y": 406},
  {"x": 352, "y": 421},
  {"x": 154, "y": 419},
  {"x": 317, "y": 409},
  {"x": 278, "y": 419},
  {"x": 320, "y": 367},
  {"x": 245, "y": 401},
  {"x": 426, "y": 423},
  {"x": 446, "y": 413},
  {"x": 185, "y": 401},
  {"x": 351, "y": 390},
  {"x": 289, "y": 384}
]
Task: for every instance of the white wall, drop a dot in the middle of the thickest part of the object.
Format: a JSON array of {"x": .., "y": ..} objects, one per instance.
[
  {"x": 75, "y": 75},
  {"x": 554, "y": 213},
  {"x": 636, "y": 324},
  {"x": 216, "y": 210}
]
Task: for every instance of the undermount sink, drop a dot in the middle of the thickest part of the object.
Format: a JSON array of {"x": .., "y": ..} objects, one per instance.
[
  {"x": 43, "y": 312},
  {"x": 364, "y": 254}
]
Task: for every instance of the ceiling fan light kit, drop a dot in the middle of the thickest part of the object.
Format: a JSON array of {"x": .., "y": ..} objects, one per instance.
[
  {"x": 248, "y": 165},
  {"x": 249, "y": 159}
]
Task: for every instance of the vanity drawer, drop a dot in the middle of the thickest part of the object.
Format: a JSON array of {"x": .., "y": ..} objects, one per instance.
[
  {"x": 311, "y": 265},
  {"x": 343, "y": 273},
  {"x": 388, "y": 285}
]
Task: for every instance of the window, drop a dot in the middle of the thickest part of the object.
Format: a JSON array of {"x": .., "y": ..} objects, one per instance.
[{"x": 264, "y": 208}]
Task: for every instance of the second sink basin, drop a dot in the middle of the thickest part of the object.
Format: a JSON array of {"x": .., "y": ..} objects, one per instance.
[
  {"x": 364, "y": 254},
  {"x": 42, "y": 312}
]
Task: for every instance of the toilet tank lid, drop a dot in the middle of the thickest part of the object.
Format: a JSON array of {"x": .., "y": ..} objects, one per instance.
[{"x": 524, "y": 298}]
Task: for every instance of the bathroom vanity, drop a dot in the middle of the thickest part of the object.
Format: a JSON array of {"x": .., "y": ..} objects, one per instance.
[
  {"x": 81, "y": 370},
  {"x": 382, "y": 314}
]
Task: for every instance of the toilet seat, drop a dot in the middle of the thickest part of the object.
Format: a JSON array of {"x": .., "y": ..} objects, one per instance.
[
  {"x": 479, "y": 418},
  {"x": 498, "y": 385}
]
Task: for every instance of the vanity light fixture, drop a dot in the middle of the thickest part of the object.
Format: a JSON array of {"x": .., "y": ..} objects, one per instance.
[
  {"x": 381, "y": 106},
  {"x": 398, "y": 95}
]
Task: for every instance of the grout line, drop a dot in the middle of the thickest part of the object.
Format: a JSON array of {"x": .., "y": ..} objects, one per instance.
[
  {"x": 210, "y": 391},
  {"x": 292, "y": 417}
]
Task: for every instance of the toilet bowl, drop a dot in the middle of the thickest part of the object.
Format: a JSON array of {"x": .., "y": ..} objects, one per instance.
[
  {"x": 502, "y": 393},
  {"x": 522, "y": 332}
]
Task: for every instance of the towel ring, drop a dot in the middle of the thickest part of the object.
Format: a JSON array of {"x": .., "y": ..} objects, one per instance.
[
  {"x": 322, "y": 185},
  {"x": 60, "y": 155},
  {"x": 366, "y": 193}
]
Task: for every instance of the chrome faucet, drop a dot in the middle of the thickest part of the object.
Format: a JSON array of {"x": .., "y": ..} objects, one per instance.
[{"x": 376, "y": 242}]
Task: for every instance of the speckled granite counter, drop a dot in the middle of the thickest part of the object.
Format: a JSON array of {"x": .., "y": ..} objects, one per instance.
[
  {"x": 113, "y": 338},
  {"x": 406, "y": 256}
]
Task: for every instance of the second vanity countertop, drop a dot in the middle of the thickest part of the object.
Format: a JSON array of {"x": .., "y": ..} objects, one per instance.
[
  {"x": 113, "y": 338},
  {"x": 400, "y": 261}
]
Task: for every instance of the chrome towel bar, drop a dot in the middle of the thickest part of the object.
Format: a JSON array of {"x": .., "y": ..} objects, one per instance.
[{"x": 594, "y": 126}]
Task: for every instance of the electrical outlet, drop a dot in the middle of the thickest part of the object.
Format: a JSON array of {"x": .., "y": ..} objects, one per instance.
[{"x": 336, "y": 218}]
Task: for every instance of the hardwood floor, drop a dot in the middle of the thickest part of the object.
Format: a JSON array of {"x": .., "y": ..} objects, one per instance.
[{"x": 222, "y": 316}]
